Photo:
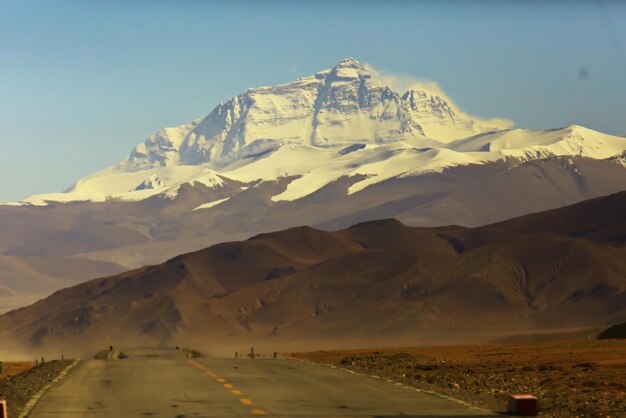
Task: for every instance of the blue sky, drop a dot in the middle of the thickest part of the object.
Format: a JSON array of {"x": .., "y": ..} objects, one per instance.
[{"x": 82, "y": 82}]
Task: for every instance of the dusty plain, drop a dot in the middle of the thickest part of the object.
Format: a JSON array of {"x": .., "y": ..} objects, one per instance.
[{"x": 570, "y": 378}]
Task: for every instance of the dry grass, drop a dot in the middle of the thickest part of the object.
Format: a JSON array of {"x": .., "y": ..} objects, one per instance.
[
  {"x": 571, "y": 378},
  {"x": 14, "y": 367}
]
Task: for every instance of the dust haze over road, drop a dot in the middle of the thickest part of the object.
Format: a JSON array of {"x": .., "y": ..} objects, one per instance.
[{"x": 161, "y": 382}]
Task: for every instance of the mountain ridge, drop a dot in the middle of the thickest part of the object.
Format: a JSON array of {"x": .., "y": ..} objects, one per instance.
[
  {"x": 267, "y": 172},
  {"x": 343, "y": 105},
  {"x": 377, "y": 279},
  {"x": 309, "y": 123}
]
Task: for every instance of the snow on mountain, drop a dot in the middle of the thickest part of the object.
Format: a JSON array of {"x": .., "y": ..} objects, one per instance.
[
  {"x": 288, "y": 159},
  {"x": 521, "y": 143},
  {"x": 151, "y": 183},
  {"x": 211, "y": 204},
  {"x": 132, "y": 186},
  {"x": 335, "y": 107},
  {"x": 316, "y": 167},
  {"x": 440, "y": 119},
  {"x": 344, "y": 121},
  {"x": 375, "y": 163},
  {"x": 410, "y": 162}
]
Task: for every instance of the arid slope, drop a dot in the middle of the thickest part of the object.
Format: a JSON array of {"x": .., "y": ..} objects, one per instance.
[{"x": 554, "y": 271}]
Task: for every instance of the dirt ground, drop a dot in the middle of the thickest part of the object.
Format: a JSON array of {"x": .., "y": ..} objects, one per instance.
[
  {"x": 570, "y": 378},
  {"x": 14, "y": 367},
  {"x": 18, "y": 388}
]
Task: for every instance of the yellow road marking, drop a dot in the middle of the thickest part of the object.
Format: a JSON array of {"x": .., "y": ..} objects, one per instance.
[{"x": 244, "y": 401}]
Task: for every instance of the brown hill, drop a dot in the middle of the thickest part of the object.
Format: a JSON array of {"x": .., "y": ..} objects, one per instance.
[
  {"x": 614, "y": 332},
  {"x": 555, "y": 271},
  {"x": 26, "y": 279},
  {"x": 134, "y": 234}
]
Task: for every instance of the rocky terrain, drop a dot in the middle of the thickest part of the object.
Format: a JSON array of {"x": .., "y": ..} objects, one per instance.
[
  {"x": 570, "y": 378},
  {"x": 19, "y": 388}
]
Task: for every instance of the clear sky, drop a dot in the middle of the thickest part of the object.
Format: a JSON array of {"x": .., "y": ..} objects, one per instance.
[{"x": 82, "y": 82}]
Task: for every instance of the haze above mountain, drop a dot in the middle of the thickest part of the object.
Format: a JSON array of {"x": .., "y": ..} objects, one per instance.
[
  {"x": 556, "y": 271},
  {"x": 328, "y": 150}
]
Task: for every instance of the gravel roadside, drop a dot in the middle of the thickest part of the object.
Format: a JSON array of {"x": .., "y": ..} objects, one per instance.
[
  {"x": 571, "y": 379},
  {"x": 18, "y": 389}
]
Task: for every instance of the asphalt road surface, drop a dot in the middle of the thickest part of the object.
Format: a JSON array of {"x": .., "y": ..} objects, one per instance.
[{"x": 155, "y": 382}]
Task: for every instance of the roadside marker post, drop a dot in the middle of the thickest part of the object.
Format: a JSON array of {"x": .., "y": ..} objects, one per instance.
[
  {"x": 526, "y": 405},
  {"x": 3, "y": 409},
  {"x": 1, "y": 367}
]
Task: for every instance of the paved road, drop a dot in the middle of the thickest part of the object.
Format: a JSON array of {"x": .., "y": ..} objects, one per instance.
[{"x": 162, "y": 383}]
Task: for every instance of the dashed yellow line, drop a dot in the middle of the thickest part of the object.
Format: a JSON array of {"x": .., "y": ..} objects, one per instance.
[{"x": 236, "y": 392}]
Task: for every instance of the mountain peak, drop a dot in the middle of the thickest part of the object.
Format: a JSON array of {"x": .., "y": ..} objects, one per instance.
[
  {"x": 339, "y": 106},
  {"x": 349, "y": 69},
  {"x": 349, "y": 62},
  {"x": 346, "y": 105}
]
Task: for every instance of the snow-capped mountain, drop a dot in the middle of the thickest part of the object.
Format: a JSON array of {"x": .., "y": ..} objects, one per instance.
[
  {"x": 329, "y": 150},
  {"x": 340, "y": 122},
  {"x": 572, "y": 140},
  {"x": 339, "y": 106}
]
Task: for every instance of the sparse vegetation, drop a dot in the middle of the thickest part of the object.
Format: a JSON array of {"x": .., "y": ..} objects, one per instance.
[
  {"x": 11, "y": 368},
  {"x": 19, "y": 388},
  {"x": 573, "y": 378}
]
